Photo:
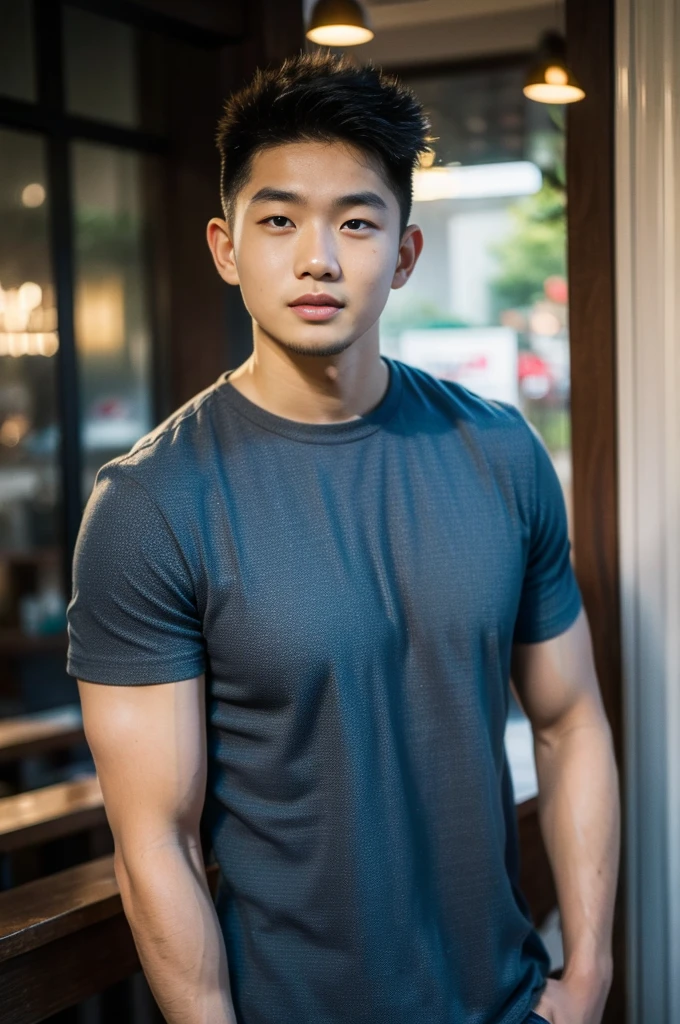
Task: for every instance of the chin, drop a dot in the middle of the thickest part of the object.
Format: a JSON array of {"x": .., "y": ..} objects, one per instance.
[{"x": 321, "y": 347}]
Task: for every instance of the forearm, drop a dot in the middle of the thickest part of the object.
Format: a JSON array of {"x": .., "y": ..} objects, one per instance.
[
  {"x": 580, "y": 822},
  {"x": 176, "y": 931}
]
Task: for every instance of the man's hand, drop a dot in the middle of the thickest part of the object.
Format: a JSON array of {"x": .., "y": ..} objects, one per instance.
[{"x": 573, "y": 1001}]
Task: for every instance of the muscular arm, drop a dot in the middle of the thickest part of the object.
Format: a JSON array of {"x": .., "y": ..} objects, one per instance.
[
  {"x": 578, "y": 805},
  {"x": 148, "y": 743}
]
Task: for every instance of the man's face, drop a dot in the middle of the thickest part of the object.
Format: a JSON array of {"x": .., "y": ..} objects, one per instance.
[{"x": 284, "y": 247}]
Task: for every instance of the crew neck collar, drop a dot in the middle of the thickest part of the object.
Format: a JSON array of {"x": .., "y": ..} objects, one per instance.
[{"x": 318, "y": 433}]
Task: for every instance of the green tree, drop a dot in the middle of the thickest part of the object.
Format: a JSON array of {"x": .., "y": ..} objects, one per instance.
[{"x": 534, "y": 249}]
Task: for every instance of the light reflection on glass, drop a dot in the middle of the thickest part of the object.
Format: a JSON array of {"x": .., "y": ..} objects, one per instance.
[
  {"x": 112, "y": 320},
  {"x": 32, "y": 602}
]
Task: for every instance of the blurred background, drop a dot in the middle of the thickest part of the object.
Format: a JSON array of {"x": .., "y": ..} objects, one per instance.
[{"x": 111, "y": 316}]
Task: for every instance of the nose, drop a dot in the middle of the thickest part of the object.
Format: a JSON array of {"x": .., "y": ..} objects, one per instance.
[{"x": 316, "y": 253}]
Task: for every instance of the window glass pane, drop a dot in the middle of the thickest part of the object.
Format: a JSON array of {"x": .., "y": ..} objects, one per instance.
[
  {"x": 112, "y": 314},
  {"x": 487, "y": 302},
  {"x": 115, "y": 72},
  {"x": 100, "y": 68},
  {"x": 17, "y": 64},
  {"x": 31, "y": 592},
  {"x": 480, "y": 116}
]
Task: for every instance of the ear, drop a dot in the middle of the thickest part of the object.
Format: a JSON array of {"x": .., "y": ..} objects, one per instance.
[
  {"x": 222, "y": 248},
  {"x": 410, "y": 248}
]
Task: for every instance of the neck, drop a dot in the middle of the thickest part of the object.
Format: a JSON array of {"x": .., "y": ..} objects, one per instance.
[{"x": 310, "y": 388}]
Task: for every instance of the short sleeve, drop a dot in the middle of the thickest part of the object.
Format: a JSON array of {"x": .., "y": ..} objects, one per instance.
[
  {"x": 550, "y": 599},
  {"x": 132, "y": 617}
]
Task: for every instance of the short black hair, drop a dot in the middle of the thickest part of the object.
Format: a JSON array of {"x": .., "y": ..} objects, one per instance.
[{"x": 321, "y": 96}]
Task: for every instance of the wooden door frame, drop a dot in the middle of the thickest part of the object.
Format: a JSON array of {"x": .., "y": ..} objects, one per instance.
[{"x": 592, "y": 315}]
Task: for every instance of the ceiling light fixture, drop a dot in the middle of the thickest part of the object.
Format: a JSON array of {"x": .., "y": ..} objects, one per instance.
[
  {"x": 339, "y": 23},
  {"x": 549, "y": 80}
]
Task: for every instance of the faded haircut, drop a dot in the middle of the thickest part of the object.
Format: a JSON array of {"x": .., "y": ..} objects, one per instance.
[{"x": 324, "y": 97}]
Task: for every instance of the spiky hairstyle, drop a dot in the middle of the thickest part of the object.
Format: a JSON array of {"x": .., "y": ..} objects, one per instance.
[{"x": 321, "y": 96}]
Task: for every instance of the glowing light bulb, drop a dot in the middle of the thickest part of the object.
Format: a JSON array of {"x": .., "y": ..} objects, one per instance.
[
  {"x": 33, "y": 195},
  {"x": 556, "y": 76},
  {"x": 30, "y": 295}
]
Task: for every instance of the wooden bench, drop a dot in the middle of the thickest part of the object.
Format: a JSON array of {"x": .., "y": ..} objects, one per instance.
[
  {"x": 40, "y": 733},
  {"x": 63, "y": 939},
  {"x": 53, "y": 812}
]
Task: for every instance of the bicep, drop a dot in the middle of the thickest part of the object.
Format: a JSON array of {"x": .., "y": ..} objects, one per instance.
[
  {"x": 149, "y": 747},
  {"x": 556, "y": 680}
]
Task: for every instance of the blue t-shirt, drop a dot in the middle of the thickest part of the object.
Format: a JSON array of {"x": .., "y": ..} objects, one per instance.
[{"x": 352, "y": 592}]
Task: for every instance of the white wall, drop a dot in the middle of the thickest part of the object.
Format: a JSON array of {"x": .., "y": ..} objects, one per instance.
[
  {"x": 648, "y": 285},
  {"x": 470, "y": 235}
]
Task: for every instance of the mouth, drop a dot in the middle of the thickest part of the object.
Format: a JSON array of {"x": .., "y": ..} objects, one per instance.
[
  {"x": 312, "y": 311},
  {"x": 316, "y": 306}
]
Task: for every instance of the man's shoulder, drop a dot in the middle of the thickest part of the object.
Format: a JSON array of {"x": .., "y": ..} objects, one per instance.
[
  {"x": 176, "y": 433},
  {"x": 497, "y": 420},
  {"x": 167, "y": 459}
]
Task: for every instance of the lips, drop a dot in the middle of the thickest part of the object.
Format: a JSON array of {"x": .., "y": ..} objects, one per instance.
[
  {"x": 316, "y": 306},
  {"x": 316, "y": 299},
  {"x": 313, "y": 312}
]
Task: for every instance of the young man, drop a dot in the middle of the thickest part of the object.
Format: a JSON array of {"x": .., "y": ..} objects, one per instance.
[{"x": 306, "y": 591}]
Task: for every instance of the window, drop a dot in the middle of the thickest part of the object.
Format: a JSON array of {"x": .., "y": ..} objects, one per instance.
[
  {"x": 101, "y": 65},
  {"x": 78, "y": 173},
  {"x": 17, "y": 60},
  {"x": 30, "y": 481},
  {"x": 487, "y": 302},
  {"x": 112, "y": 315}
]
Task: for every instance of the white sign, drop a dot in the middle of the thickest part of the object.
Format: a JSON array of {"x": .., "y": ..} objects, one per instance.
[{"x": 483, "y": 359}]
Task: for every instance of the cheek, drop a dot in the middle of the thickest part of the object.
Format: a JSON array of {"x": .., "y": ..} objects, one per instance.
[
  {"x": 373, "y": 275},
  {"x": 262, "y": 271}
]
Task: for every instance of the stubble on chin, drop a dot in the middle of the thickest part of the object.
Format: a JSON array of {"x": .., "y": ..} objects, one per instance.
[{"x": 318, "y": 348}]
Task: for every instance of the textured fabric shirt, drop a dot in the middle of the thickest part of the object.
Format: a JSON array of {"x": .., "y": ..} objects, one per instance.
[{"x": 352, "y": 592}]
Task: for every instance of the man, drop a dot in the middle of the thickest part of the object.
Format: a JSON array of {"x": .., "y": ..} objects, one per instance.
[{"x": 300, "y": 599}]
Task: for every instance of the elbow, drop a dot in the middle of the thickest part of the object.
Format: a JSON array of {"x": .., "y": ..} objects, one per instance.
[
  {"x": 145, "y": 866},
  {"x": 145, "y": 881}
]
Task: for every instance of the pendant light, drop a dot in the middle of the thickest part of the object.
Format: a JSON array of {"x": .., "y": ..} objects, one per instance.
[
  {"x": 339, "y": 23},
  {"x": 549, "y": 80}
]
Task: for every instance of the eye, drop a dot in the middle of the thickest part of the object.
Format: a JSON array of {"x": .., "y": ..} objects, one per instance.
[
  {"x": 278, "y": 216},
  {"x": 356, "y": 220}
]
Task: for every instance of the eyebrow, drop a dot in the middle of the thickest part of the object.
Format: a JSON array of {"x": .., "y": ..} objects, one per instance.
[{"x": 275, "y": 195}]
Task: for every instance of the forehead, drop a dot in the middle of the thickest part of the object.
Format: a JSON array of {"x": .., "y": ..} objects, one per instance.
[{"x": 318, "y": 170}]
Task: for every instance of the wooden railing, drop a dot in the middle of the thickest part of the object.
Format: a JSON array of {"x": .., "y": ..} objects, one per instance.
[
  {"x": 53, "y": 812},
  {"x": 65, "y": 937},
  {"x": 40, "y": 733}
]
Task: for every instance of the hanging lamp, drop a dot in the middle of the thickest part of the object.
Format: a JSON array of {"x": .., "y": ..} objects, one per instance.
[
  {"x": 549, "y": 80},
  {"x": 339, "y": 23}
]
